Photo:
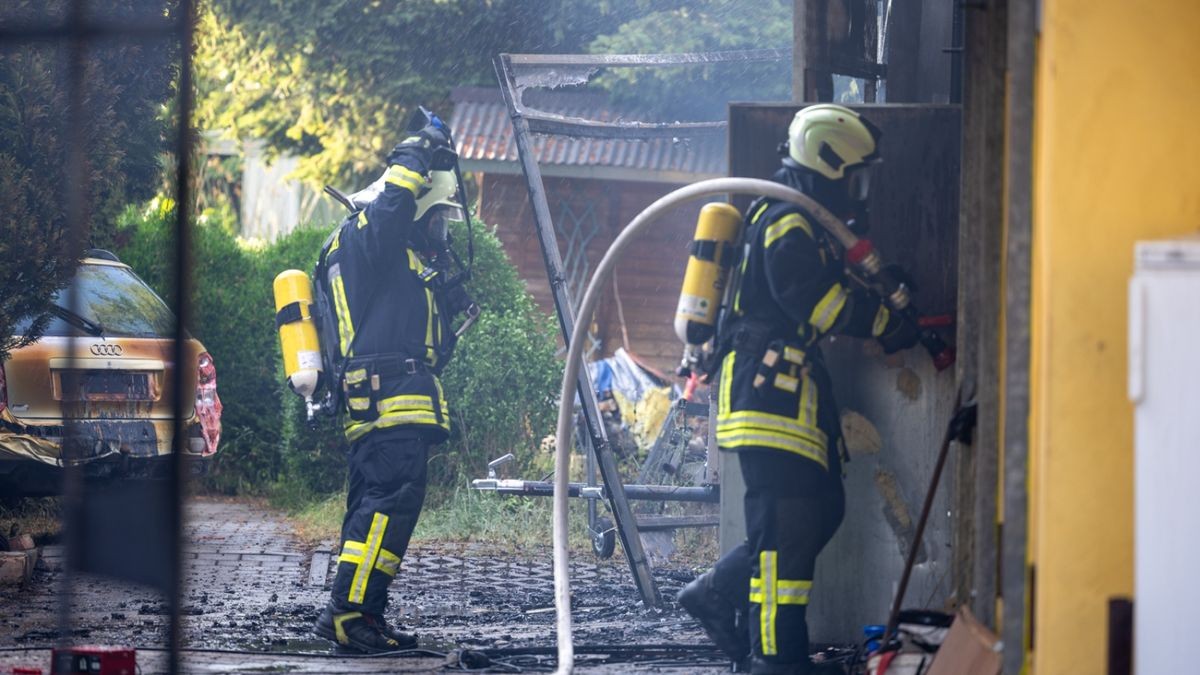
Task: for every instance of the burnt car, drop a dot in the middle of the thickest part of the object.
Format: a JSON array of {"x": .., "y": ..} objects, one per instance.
[{"x": 95, "y": 391}]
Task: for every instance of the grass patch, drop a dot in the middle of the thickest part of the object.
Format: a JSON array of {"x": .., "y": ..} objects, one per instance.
[
  {"x": 456, "y": 515},
  {"x": 38, "y": 517}
]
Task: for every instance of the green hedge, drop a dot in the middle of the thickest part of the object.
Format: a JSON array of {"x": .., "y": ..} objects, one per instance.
[{"x": 500, "y": 384}]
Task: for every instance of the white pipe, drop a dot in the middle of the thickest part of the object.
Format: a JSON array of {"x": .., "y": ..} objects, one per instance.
[{"x": 705, "y": 188}]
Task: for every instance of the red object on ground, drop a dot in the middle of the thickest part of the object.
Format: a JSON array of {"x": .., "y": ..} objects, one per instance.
[
  {"x": 18, "y": 670},
  {"x": 945, "y": 359},
  {"x": 93, "y": 660}
]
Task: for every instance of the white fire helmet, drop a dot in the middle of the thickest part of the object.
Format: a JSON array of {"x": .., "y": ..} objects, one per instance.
[{"x": 832, "y": 139}]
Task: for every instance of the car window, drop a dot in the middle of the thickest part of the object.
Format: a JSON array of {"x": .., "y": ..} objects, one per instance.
[{"x": 115, "y": 298}]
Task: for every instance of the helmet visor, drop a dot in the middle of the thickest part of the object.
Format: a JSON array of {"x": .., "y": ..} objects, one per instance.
[
  {"x": 858, "y": 182},
  {"x": 438, "y": 228}
]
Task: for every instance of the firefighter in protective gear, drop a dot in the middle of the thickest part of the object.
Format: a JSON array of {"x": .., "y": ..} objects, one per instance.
[
  {"x": 392, "y": 340},
  {"x": 776, "y": 406}
]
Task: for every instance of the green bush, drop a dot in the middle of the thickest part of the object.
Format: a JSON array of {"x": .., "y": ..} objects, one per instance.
[
  {"x": 232, "y": 313},
  {"x": 499, "y": 385}
]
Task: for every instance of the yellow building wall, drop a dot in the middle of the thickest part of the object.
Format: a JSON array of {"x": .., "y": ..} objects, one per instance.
[{"x": 1116, "y": 160}]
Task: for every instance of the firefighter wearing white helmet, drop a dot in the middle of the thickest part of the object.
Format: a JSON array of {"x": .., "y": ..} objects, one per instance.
[
  {"x": 775, "y": 397},
  {"x": 386, "y": 322}
]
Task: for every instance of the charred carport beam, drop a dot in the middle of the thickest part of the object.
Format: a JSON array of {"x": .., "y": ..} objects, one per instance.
[
  {"x": 648, "y": 60},
  {"x": 541, "y": 71},
  {"x": 518, "y": 73},
  {"x": 707, "y": 494}
]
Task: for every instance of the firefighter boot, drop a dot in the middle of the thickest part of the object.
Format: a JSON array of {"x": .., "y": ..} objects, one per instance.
[
  {"x": 717, "y": 616},
  {"x": 358, "y": 631},
  {"x": 406, "y": 640}
]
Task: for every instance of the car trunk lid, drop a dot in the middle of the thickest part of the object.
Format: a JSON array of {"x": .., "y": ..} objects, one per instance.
[{"x": 122, "y": 378}]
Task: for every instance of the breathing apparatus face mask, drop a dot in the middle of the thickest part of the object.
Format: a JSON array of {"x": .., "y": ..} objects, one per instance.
[
  {"x": 437, "y": 227},
  {"x": 857, "y": 185}
]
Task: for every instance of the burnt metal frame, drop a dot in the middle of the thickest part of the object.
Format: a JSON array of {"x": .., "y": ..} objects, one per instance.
[
  {"x": 80, "y": 31},
  {"x": 516, "y": 73},
  {"x": 579, "y": 229},
  {"x": 1018, "y": 578}
]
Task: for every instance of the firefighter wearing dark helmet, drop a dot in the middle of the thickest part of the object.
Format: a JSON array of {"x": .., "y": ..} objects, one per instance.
[
  {"x": 393, "y": 339},
  {"x": 776, "y": 406}
]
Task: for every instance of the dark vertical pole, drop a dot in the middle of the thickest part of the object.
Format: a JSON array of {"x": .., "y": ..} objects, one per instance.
[
  {"x": 956, "y": 54},
  {"x": 871, "y": 49},
  {"x": 1120, "y": 636},
  {"x": 78, "y": 213},
  {"x": 1022, "y": 29},
  {"x": 980, "y": 242},
  {"x": 903, "y": 40},
  {"x": 177, "y": 480},
  {"x": 626, "y": 524},
  {"x": 589, "y": 470},
  {"x": 812, "y": 79},
  {"x": 799, "y": 41}
]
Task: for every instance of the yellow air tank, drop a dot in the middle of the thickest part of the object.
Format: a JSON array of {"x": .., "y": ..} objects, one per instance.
[
  {"x": 298, "y": 333},
  {"x": 717, "y": 232}
]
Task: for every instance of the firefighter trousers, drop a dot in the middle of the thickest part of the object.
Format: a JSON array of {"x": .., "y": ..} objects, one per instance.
[
  {"x": 386, "y": 492},
  {"x": 793, "y": 507}
]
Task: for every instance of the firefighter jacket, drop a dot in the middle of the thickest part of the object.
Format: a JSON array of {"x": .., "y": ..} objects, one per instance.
[
  {"x": 390, "y": 332},
  {"x": 775, "y": 392}
]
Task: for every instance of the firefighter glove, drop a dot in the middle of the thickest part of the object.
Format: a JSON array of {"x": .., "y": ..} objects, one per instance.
[
  {"x": 899, "y": 334},
  {"x": 416, "y": 152},
  {"x": 900, "y": 275}
]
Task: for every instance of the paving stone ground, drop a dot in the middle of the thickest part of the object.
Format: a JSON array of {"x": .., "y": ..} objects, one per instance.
[{"x": 252, "y": 587}]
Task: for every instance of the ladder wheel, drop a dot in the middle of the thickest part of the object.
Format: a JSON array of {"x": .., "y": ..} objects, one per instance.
[{"x": 604, "y": 540}]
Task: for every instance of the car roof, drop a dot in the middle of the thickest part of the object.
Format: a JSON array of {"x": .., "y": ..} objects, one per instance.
[{"x": 103, "y": 261}]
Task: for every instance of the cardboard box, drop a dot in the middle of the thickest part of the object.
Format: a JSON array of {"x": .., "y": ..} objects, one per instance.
[
  {"x": 21, "y": 542},
  {"x": 16, "y": 568},
  {"x": 970, "y": 649}
]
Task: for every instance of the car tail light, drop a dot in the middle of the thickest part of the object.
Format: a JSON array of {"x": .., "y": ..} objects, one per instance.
[{"x": 208, "y": 404}]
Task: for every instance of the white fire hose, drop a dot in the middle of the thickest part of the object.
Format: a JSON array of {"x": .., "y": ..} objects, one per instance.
[{"x": 599, "y": 281}]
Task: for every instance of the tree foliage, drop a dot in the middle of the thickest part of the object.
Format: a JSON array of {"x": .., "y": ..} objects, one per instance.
[
  {"x": 333, "y": 82},
  {"x": 701, "y": 93},
  {"x": 124, "y": 88}
]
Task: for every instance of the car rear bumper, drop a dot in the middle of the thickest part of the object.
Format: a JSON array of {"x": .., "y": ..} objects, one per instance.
[{"x": 88, "y": 441}]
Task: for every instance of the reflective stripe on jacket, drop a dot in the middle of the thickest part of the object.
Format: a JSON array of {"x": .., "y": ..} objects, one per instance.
[
  {"x": 390, "y": 330},
  {"x": 793, "y": 289}
]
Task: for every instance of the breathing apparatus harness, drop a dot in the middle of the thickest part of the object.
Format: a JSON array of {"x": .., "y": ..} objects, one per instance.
[
  {"x": 444, "y": 274},
  {"x": 864, "y": 267}
]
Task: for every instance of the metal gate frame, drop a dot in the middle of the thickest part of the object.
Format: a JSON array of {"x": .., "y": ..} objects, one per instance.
[
  {"x": 80, "y": 31},
  {"x": 516, "y": 73}
]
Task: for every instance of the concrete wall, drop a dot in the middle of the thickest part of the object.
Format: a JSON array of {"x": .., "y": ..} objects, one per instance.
[{"x": 1116, "y": 145}]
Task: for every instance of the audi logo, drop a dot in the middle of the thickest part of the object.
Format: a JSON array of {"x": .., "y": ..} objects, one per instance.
[{"x": 106, "y": 349}]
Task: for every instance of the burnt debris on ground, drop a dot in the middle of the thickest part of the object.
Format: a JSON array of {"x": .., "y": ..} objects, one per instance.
[{"x": 252, "y": 586}]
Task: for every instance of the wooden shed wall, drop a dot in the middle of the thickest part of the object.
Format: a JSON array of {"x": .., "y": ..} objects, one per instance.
[{"x": 648, "y": 277}]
